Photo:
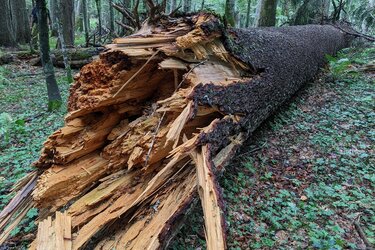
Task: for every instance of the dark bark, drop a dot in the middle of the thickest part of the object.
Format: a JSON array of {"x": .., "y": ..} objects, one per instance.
[
  {"x": 54, "y": 15},
  {"x": 6, "y": 31},
  {"x": 267, "y": 15},
  {"x": 187, "y": 6},
  {"x": 20, "y": 21},
  {"x": 229, "y": 12},
  {"x": 85, "y": 21},
  {"x": 99, "y": 13},
  {"x": 248, "y": 13},
  {"x": 111, "y": 17},
  {"x": 54, "y": 97},
  {"x": 312, "y": 11},
  {"x": 67, "y": 21}
]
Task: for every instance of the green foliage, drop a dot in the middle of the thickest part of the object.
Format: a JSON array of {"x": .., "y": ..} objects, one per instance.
[{"x": 24, "y": 125}]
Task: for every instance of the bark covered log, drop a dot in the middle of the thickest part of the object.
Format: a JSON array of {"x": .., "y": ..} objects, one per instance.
[{"x": 153, "y": 122}]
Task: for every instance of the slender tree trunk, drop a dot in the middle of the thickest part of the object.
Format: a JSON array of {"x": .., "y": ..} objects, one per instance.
[
  {"x": 229, "y": 12},
  {"x": 248, "y": 13},
  {"x": 99, "y": 13},
  {"x": 63, "y": 48},
  {"x": 85, "y": 21},
  {"x": 67, "y": 21},
  {"x": 53, "y": 14},
  {"x": 267, "y": 14},
  {"x": 79, "y": 16},
  {"x": 111, "y": 17},
  {"x": 202, "y": 5},
  {"x": 54, "y": 97},
  {"x": 173, "y": 5},
  {"x": 6, "y": 31},
  {"x": 187, "y": 6},
  {"x": 20, "y": 21}
]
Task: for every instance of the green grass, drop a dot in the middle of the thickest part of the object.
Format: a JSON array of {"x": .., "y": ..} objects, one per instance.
[
  {"x": 25, "y": 123},
  {"x": 313, "y": 173}
]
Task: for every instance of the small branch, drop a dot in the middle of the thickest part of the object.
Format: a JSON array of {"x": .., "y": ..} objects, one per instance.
[
  {"x": 136, "y": 73},
  {"x": 125, "y": 26},
  {"x": 356, "y": 34}
]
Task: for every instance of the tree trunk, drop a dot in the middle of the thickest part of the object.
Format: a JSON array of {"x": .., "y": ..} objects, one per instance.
[
  {"x": 67, "y": 21},
  {"x": 54, "y": 14},
  {"x": 99, "y": 13},
  {"x": 312, "y": 11},
  {"x": 79, "y": 16},
  {"x": 85, "y": 21},
  {"x": 150, "y": 131},
  {"x": 248, "y": 12},
  {"x": 54, "y": 98},
  {"x": 20, "y": 21},
  {"x": 7, "y": 37},
  {"x": 187, "y": 6},
  {"x": 229, "y": 12},
  {"x": 111, "y": 17},
  {"x": 173, "y": 5},
  {"x": 63, "y": 48},
  {"x": 267, "y": 14}
]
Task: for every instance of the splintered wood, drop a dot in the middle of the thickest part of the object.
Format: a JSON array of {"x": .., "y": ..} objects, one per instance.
[
  {"x": 129, "y": 160},
  {"x": 55, "y": 234}
]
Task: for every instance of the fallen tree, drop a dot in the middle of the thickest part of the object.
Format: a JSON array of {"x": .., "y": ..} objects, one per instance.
[{"x": 153, "y": 123}]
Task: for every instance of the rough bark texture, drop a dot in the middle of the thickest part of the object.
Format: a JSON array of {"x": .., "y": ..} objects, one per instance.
[
  {"x": 53, "y": 91},
  {"x": 67, "y": 21},
  {"x": 155, "y": 120},
  {"x": 267, "y": 14},
  {"x": 229, "y": 12},
  {"x": 6, "y": 32},
  {"x": 20, "y": 21}
]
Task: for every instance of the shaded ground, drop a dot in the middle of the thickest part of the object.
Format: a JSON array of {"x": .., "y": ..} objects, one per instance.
[
  {"x": 24, "y": 125},
  {"x": 306, "y": 175}
]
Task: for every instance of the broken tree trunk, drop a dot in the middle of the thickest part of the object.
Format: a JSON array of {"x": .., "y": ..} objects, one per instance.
[{"x": 153, "y": 122}]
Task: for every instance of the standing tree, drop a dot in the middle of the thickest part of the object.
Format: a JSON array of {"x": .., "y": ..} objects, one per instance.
[
  {"x": 111, "y": 17},
  {"x": 67, "y": 21},
  {"x": 20, "y": 21},
  {"x": 99, "y": 11},
  {"x": 248, "y": 13},
  {"x": 85, "y": 21},
  {"x": 54, "y": 97},
  {"x": 6, "y": 32},
  {"x": 267, "y": 13},
  {"x": 53, "y": 14},
  {"x": 229, "y": 12}
]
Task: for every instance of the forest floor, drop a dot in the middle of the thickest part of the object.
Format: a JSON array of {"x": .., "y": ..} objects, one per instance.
[{"x": 304, "y": 180}]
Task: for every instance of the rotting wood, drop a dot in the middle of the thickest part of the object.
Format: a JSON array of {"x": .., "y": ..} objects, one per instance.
[{"x": 137, "y": 143}]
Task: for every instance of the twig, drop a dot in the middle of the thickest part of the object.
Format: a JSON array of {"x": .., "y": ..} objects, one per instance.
[
  {"x": 154, "y": 138},
  {"x": 362, "y": 234},
  {"x": 136, "y": 73},
  {"x": 187, "y": 74},
  {"x": 356, "y": 34}
]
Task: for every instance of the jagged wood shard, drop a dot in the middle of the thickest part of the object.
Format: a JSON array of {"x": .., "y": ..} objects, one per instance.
[{"x": 154, "y": 121}]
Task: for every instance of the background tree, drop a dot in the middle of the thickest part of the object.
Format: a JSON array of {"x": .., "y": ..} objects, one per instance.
[
  {"x": 20, "y": 21},
  {"x": 229, "y": 12},
  {"x": 267, "y": 13},
  {"x": 53, "y": 15},
  {"x": 54, "y": 97},
  {"x": 67, "y": 21},
  {"x": 6, "y": 32}
]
